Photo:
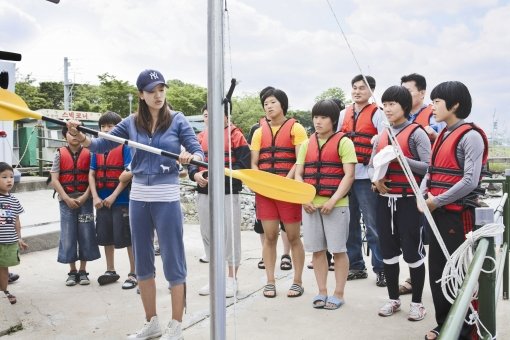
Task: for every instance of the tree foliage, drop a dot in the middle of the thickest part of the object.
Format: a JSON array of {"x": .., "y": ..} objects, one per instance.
[
  {"x": 333, "y": 92},
  {"x": 114, "y": 94},
  {"x": 187, "y": 98}
]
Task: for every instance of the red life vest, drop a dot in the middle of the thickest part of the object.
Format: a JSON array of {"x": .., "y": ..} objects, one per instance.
[
  {"x": 323, "y": 165},
  {"x": 399, "y": 184},
  {"x": 74, "y": 173},
  {"x": 445, "y": 171},
  {"x": 203, "y": 140},
  {"x": 360, "y": 130},
  {"x": 107, "y": 173},
  {"x": 277, "y": 153}
]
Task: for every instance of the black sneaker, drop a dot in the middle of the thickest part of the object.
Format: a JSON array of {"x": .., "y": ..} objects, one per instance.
[
  {"x": 13, "y": 277},
  {"x": 357, "y": 274},
  {"x": 72, "y": 279},
  {"x": 83, "y": 279},
  {"x": 381, "y": 280}
]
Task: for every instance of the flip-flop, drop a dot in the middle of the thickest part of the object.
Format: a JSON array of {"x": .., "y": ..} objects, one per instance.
[
  {"x": 436, "y": 333},
  {"x": 269, "y": 288},
  {"x": 10, "y": 297},
  {"x": 319, "y": 301},
  {"x": 295, "y": 288},
  {"x": 333, "y": 303},
  {"x": 261, "y": 264}
]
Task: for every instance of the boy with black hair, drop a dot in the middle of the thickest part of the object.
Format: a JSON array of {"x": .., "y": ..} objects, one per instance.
[
  {"x": 421, "y": 113},
  {"x": 326, "y": 161},
  {"x": 69, "y": 178},
  {"x": 362, "y": 121},
  {"x": 111, "y": 200},
  {"x": 452, "y": 185},
  {"x": 399, "y": 221}
]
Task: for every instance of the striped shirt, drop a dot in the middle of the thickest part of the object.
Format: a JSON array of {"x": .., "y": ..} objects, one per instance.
[
  {"x": 10, "y": 208},
  {"x": 155, "y": 193}
]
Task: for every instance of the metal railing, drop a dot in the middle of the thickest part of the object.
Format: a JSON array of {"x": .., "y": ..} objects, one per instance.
[{"x": 485, "y": 273}]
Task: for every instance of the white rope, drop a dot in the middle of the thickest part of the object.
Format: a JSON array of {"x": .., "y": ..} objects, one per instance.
[
  {"x": 229, "y": 124},
  {"x": 456, "y": 265}
]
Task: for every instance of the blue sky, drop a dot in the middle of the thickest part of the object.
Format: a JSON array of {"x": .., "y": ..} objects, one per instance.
[{"x": 294, "y": 45}]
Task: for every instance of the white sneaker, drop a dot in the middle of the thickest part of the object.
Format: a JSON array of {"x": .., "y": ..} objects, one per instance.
[
  {"x": 150, "y": 330},
  {"x": 173, "y": 331},
  {"x": 417, "y": 312},
  {"x": 230, "y": 287},
  {"x": 204, "y": 291},
  {"x": 389, "y": 308}
]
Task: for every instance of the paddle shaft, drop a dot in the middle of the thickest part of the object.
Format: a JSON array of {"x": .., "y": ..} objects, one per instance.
[{"x": 125, "y": 141}]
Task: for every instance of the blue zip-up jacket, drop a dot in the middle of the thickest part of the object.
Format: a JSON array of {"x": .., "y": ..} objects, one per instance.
[{"x": 149, "y": 168}]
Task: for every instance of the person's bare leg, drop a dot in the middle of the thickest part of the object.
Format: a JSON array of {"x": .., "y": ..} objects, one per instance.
[
  {"x": 320, "y": 269},
  {"x": 109, "y": 252},
  {"x": 269, "y": 250},
  {"x": 178, "y": 302},
  {"x": 297, "y": 252},
  {"x": 131, "y": 259},
  {"x": 148, "y": 295}
]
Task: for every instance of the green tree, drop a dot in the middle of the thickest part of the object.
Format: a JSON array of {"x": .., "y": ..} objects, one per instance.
[
  {"x": 87, "y": 98},
  {"x": 333, "y": 92},
  {"x": 54, "y": 94},
  {"x": 246, "y": 111},
  {"x": 187, "y": 98},
  {"x": 30, "y": 93},
  {"x": 304, "y": 117},
  {"x": 113, "y": 94}
]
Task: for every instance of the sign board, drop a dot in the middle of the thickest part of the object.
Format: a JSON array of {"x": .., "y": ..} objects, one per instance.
[{"x": 77, "y": 115}]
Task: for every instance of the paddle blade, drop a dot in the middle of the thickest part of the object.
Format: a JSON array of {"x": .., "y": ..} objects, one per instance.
[
  {"x": 12, "y": 107},
  {"x": 274, "y": 186}
]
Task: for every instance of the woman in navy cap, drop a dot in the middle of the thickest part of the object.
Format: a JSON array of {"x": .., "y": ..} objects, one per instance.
[{"x": 155, "y": 194}]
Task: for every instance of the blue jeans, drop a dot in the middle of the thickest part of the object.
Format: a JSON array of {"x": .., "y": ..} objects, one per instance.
[
  {"x": 363, "y": 201},
  {"x": 77, "y": 234}
]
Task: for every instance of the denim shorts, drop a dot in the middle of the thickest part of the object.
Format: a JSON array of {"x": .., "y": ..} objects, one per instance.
[
  {"x": 112, "y": 226},
  {"x": 77, "y": 234}
]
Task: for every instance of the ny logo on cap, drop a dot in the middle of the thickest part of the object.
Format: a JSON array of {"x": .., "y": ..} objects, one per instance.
[{"x": 153, "y": 75}]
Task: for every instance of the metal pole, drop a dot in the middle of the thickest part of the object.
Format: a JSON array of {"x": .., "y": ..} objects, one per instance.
[
  {"x": 506, "y": 234},
  {"x": 216, "y": 168},
  {"x": 40, "y": 133},
  {"x": 487, "y": 280},
  {"x": 455, "y": 319},
  {"x": 66, "y": 85}
]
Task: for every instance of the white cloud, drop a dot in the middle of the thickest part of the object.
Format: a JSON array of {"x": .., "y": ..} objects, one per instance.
[{"x": 293, "y": 45}]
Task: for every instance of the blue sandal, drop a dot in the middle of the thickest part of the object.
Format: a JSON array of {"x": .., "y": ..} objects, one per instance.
[
  {"x": 319, "y": 301},
  {"x": 333, "y": 303}
]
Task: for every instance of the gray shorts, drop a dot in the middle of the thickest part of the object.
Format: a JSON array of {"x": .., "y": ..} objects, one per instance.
[{"x": 330, "y": 233}]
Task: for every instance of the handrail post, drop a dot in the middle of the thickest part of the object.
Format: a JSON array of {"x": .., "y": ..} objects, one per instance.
[
  {"x": 487, "y": 278},
  {"x": 506, "y": 234}
]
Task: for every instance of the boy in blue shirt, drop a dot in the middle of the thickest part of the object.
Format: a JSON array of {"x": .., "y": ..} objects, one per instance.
[{"x": 111, "y": 200}]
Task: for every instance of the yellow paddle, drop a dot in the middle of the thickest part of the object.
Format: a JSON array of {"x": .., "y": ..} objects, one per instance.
[{"x": 12, "y": 107}]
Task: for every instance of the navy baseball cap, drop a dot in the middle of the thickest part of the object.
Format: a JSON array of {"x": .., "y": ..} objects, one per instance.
[{"x": 149, "y": 79}]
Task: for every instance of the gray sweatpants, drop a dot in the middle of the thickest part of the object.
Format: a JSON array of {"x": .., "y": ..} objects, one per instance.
[{"x": 232, "y": 256}]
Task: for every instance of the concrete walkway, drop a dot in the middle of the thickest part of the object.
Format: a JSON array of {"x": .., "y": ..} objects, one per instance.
[{"x": 47, "y": 309}]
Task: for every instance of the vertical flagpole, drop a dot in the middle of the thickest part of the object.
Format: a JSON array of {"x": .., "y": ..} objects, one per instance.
[{"x": 216, "y": 168}]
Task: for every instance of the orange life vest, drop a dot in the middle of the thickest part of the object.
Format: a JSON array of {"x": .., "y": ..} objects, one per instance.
[
  {"x": 74, "y": 173},
  {"x": 323, "y": 165},
  {"x": 277, "y": 153},
  {"x": 203, "y": 140},
  {"x": 360, "y": 130},
  {"x": 398, "y": 181},
  {"x": 108, "y": 172},
  {"x": 445, "y": 171}
]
